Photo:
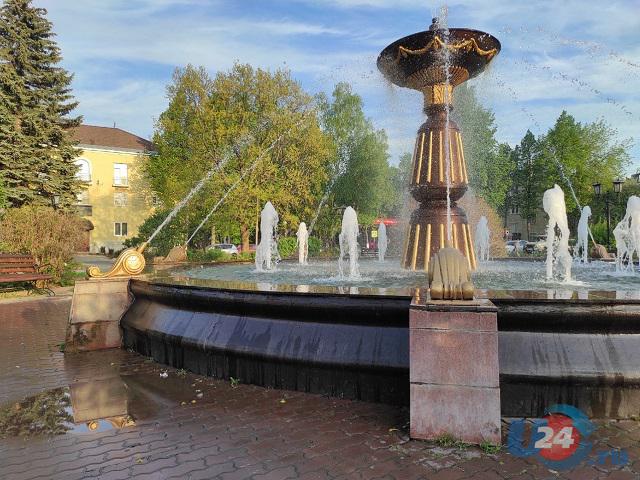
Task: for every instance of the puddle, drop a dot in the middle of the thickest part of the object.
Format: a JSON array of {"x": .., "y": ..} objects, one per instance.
[
  {"x": 97, "y": 406},
  {"x": 53, "y": 413}
]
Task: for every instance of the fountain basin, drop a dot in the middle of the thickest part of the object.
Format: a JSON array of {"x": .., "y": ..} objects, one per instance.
[{"x": 334, "y": 341}]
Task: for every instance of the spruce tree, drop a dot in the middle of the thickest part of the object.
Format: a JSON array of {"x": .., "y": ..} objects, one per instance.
[{"x": 36, "y": 150}]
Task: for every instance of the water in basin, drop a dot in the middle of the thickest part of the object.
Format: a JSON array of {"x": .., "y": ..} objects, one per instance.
[{"x": 505, "y": 274}]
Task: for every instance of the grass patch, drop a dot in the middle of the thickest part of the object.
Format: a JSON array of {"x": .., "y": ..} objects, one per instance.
[
  {"x": 72, "y": 271},
  {"x": 446, "y": 440},
  {"x": 490, "y": 448}
]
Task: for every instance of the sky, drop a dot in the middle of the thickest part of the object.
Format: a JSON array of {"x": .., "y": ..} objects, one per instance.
[{"x": 582, "y": 56}]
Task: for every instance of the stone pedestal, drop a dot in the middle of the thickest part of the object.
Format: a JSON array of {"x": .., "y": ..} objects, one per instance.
[
  {"x": 454, "y": 371},
  {"x": 96, "y": 309}
]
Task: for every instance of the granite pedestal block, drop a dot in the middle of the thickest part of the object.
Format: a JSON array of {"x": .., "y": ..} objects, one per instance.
[
  {"x": 454, "y": 370},
  {"x": 96, "y": 309}
]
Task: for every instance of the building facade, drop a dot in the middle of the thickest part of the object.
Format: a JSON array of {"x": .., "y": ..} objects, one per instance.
[
  {"x": 116, "y": 200},
  {"x": 516, "y": 225}
]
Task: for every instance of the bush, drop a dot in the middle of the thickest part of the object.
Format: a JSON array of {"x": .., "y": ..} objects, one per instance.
[
  {"x": 212, "y": 255},
  {"x": 246, "y": 257},
  {"x": 315, "y": 245},
  {"x": 287, "y": 247},
  {"x": 50, "y": 236},
  {"x": 599, "y": 232}
]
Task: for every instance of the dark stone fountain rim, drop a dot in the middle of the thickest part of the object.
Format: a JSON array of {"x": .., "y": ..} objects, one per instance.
[{"x": 272, "y": 338}]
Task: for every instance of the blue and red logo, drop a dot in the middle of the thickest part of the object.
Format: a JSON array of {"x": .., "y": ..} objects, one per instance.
[{"x": 560, "y": 439}]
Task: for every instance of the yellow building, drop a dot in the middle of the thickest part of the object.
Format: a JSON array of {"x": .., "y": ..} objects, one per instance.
[{"x": 116, "y": 201}]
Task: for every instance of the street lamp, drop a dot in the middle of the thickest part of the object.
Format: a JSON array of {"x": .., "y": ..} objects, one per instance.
[
  {"x": 617, "y": 185},
  {"x": 609, "y": 198}
]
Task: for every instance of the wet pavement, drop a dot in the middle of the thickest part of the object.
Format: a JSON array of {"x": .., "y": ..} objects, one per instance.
[{"x": 116, "y": 415}]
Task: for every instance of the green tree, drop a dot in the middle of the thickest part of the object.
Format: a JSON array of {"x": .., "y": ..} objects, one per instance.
[
  {"x": 238, "y": 115},
  {"x": 36, "y": 151},
  {"x": 582, "y": 154},
  {"x": 174, "y": 233},
  {"x": 573, "y": 155},
  {"x": 360, "y": 158},
  {"x": 489, "y": 163},
  {"x": 399, "y": 178},
  {"x": 530, "y": 178},
  {"x": 3, "y": 194}
]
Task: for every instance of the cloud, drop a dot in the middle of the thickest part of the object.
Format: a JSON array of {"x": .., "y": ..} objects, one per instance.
[
  {"x": 556, "y": 55},
  {"x": 378, "y": 4}
]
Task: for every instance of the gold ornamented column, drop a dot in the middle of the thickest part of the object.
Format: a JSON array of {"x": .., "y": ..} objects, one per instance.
[{"x": 434, "y": 63}]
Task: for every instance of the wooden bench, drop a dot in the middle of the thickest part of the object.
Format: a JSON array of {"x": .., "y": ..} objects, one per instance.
[{"x": 18, "y": 269}]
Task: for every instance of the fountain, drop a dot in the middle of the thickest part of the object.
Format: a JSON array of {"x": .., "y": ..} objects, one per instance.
[
  {"x": 557, "y": 234},
  {"x": 627, "y": 235},
  {"x": 434, "y": 62},
  {"x": 582, "y": 245},
  {"x": 621, "y": 234},
  {"x": 482, "y": 239},
  {"x": 633, "y": 211},
  {"x": 302, "y": 242},
  {"x": 310, "y": 330},
  {"x": 267, "y": 250},
  {"x": 383, "y": 242},
  {"x": 349, "y": 242}
]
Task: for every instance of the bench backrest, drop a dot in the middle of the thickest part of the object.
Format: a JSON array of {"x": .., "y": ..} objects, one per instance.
[{"x": 17, "y": 264}]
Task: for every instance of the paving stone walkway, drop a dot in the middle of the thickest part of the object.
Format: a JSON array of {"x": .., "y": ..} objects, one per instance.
[{"x": 166, "y": 423}]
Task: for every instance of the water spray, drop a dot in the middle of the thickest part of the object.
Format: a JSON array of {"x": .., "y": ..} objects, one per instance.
[{"x": 243, "y": 175}]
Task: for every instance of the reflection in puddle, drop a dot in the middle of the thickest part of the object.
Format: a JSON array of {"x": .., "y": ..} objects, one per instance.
[
  {"x": 46, "y": 413},
  {"x": 56, "y": 412},
  {"x": 114, "y": 402}
]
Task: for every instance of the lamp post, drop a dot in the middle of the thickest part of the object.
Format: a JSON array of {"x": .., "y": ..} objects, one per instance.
[{"x": 609, "y": 198}]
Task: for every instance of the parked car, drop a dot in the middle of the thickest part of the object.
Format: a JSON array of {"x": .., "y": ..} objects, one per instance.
[{"x": 229, "y": 248}]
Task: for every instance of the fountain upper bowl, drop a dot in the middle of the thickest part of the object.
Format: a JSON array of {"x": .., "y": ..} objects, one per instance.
[{"x": 418, "y": 60}]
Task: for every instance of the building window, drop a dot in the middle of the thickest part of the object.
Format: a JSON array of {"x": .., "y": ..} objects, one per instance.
[
  {"x": 120, "y": 229},
  {"x": 84, "y": 170},
  {"x": 515, "y": 210},
  {"x": 84, "y": 210},
  {"x": 120, "y": 175},
  {"x": 120, "y": 199}
]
